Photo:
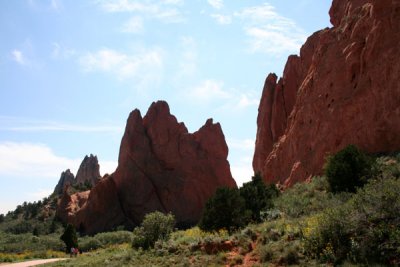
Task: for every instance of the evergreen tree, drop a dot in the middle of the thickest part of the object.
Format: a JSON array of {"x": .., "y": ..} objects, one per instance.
[
  {"x": 258, "y": 196},
  {"x": 348, "y": 169},
  {"x": 225, "y": 210},
  {"x": 70, "y": 238}
]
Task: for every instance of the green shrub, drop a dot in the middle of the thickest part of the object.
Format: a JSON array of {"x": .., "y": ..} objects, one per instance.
[
  {"x": 90, "y": 243},
  {"x": 224, "y": 210},
  {"x": 113, "y": 238},
  {"x": 257, "y": 196},
  {"x": 155, "y": 226},
  {"x": 365, "y": 229},
  {"x": 308, "y": 198},
  {"x": 21, "y": 227},
  {"x": 348, "y": 169}
]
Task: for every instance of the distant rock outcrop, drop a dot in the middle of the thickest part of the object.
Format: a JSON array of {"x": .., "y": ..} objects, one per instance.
[
  {"x": 66, "y": 179},
  {"x": 88, "y": 175},
  {"x": 344, "y": 88},
  {"x": 89, "y": 171},
  {"x": 160, "y": 167}
]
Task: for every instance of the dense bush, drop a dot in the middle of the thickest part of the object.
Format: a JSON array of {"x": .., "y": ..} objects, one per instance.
[
  {"x": 11, "y": 243},
  {"x": 258, "y": 196},
  {"x": 20, "y": 227},
  {"x": 348, "y": 169},
  {"x": 103, "y": 240},
  {"x": 225, "y": 210},
  {"x": 308, "y": 198},
  {"x": 155, "y": 226},
  {"x": 366, "y": 229}
]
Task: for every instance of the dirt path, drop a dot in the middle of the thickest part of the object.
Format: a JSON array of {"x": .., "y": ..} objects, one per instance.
[{"x": 31, "y": 263}]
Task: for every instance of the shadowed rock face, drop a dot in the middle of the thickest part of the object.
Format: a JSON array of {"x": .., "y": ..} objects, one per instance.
[
  {"x": 89, "y": 171},
  {"x": 66, "y": 179},
  {"x": 160, "y": 167},
  {"x": 163, "y": 167},
  {"x": 344, "y": 88}
]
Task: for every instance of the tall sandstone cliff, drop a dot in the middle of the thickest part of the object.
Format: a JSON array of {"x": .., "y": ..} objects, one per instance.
[
  {"x": 344, "y": 88},
  {"x": 161, "y": 166}
]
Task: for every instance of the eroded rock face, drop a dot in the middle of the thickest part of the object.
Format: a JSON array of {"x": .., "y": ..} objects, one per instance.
[
  {"x": 163, "y": 167},
  {"x": 89, "y": 171},
  {"x": 102, "y": 210},
  {"x": 160, "y": 167},
  {"x": 69, "y": 205},
  {"x": 88, "y": 174},
  {"x": 66, "y": 179},
  {"x": 344, "y": 88}
]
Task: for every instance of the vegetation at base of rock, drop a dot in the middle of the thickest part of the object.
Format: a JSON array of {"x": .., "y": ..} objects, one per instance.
[
  {"x": 366, "y": 229},
  {"x": 232, "y": 208},
  {"x": 307, "y": 226},
  {"x": 224, "y": 210},
  {"x": 155, "y": 226},
  {"x": 258, "y": 197},
  {"x": 348, "y": 169}
]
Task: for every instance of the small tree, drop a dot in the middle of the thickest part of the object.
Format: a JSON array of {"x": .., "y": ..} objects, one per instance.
[
  {"x": 225, "y": 210},
  {"x": 348, "y": 169},
  {"x": 155, "y": 226},
  {"x": 70, "y": 238},
  {"x": 258, "y": 196}
]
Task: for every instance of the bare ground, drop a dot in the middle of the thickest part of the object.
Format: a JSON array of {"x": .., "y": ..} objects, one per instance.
[{"x": 31, "y": 263}]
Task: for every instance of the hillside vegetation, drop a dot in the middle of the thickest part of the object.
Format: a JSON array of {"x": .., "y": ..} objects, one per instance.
[{"x": 307, "y": 225}]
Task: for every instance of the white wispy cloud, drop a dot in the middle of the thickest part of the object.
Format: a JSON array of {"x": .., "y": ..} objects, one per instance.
[
  {"x": 18, "y": 124},
  {"x": 188, "y": 59},
  {"x": 217, "y": 4},
  {"x": 145, "y": 66},
  {"x": 269, "y": 32},
  {"x": 25, "y": 160},
  {"x": 242, "y": 169},
  {"x": 209, "y": 90},
  {"x": 56, "y": 4},
  {"x": 133, "y": 25},
  {"x": 165, "y": 11},
  {"x": 41, "y": 193},
  {"x": 248, "y": 100},
  {"x": 61, "y": 52},
  {"x": 18, "y": 56},
  {"x": 229, "y": 98},
  {"x": 222, "y": 19},
  {"x": 32, "y": 160},
  {"x": 241, "y": 144}
]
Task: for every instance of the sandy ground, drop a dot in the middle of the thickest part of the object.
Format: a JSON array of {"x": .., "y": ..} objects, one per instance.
[{"x": 30, "y": 263}]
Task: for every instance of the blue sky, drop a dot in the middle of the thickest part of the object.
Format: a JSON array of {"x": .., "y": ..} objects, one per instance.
[{"x": 71, "y": 71}]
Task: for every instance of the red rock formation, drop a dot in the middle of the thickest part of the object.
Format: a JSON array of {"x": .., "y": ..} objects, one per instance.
[
  {"x": 66, "y": 179},
  {"x": 69, "y": 205},
  {"x": 343, "y": 89},
  {"x": 102, "y": 210},
  {"x": 163, "y": 167},
  {"x": 89, "y": 171},
  {"x": 160, "y": 167}
]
